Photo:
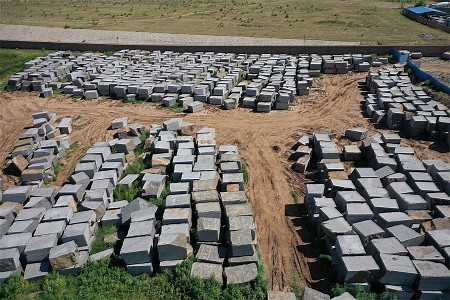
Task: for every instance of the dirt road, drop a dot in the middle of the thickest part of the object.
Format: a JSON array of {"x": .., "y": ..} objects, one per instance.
[{"x": 264, "y": 141}]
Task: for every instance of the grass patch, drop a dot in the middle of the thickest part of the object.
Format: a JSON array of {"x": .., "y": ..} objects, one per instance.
[
  {"x": 244, "y": 171},
  {"x": 176, "y": 108},
  {"x": 294, "y": 286},
  {"x": 440, "y": 96},
  {"x": 296, "y": 197},
  {"x": 161, "y": 200},
  {"x": 13, "y": 60},
  {"x": 360, "y": 293},
  {"x": 101, "y": 280},
  {"x": 135, "y": 167},
  {"x": 125, "y": 192},
  {"x": 99, "y": 244}
]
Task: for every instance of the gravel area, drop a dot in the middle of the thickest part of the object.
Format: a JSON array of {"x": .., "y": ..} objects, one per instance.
[{"x": 88, "y": 36}]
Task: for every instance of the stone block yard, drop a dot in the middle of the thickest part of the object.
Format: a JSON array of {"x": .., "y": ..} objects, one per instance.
[{"x": 157, "y": 168}]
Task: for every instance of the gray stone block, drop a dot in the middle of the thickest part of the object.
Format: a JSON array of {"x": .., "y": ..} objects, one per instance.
[
  {"x": 87, "y": 216},
  {"x": 432, "y": 276},
  {"x": 9, "y": 260},
  {"x": 38, "y": 247},
  {"x": 137, "y": 250},
  {"x": 241, "y": 274},
  {"x": 97, "y": 206},
  {"x": 368, "y": 230},
  {"x": 406, "y": 235},
  {"x": 54, "y": 227},
  {"x": 209, "y": 210},
  {"x": 177, "y": 228},
  {"x": 19, "y": 241},
  {"x": 358, "y": 269},
  {"x": 357, "y": 212},
  {"x": 36, "y": 271},
  {"x": 177, "y": 216},
  {"x": 102, "y": 254},
  {"x": 205, "y": 270},
  {"x": 57, "y": 214},
  {"x": 242, "y": 243},
  {"x": 8, "y": 213},
  {"x": 31, "y": 214},
  {"x": 79, "y": 233},
  {"x": 63, "y": 256},
  {"x": 397, "y": 270},
  {"x": 145, "y": 214},
  {"x": 180, "y": 201},
  {"x": 349, "y": 245},
  {"x": 172, "y": 247},
  {"x": 135, "y": 205},
  {"x": 205, "y": 196},
  {"x": 208, "y": 229},
  {"x": 142, "y": 228},
  {"x": 343, "y": 198},
  {"x": 390, "y": 245},
  {"x": 311, "y": 294},
  {"x": 235, "y": 210},
  {"x": 383, "y": 205},
  {"x": 138, "y": 269},
  {"x": 439, "y": 238},
  {"x": 19, "y": 194},
  {"x": 390, "y": 219},
  {"x": 211, "y": 254},
  {"x": 429, "y": 253},
  {"x": 356, "y": 134}
]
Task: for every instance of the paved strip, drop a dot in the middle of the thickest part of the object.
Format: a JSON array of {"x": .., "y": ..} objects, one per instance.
[{"x": 89, "y": 36}]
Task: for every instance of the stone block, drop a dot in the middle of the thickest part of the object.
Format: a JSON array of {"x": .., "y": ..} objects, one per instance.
[
  {"x": 390, "y": 245},
  {"x": 38, "y": 247},
  {"x": 180, "y": 201},
  {"x": 432, "y": 276},
  {"x": 31, "y": 214},
  {"x": 209, "y": 210},
  {"x": 357, "y": 212},
  {"x": 63, "y": 256},
  {"x": 177, "y": 216},
  {"x": 138, "y": 269},
  {"x": 429, "y": 253},
  {"x": 137, "y": 250},
  {"x": 311, "y": 294},
  {"x": 397, "y": 270},
  {"x": 390, "y": 219},
  {"x": 18, "y": 240},
  {"x": 119, "y": 123},
  {"x": 19, "y": 194},
  {"x": 208, "y": 229},
  {"x": 10, "y": 260},
  {"x": 358, "y": 269},
  {"x": 241, "y": 274},
  {"x": 383, "y": 205},
  {"x": 145, "y": 214},
  {"x": 349, "y": 245},
  {"x": 242, "y": 243},
  {"x": 406, "y": 235},
  {"x": 142, "y": 228},
  {"x": 21, "y": 226},
  {"x": 205, "y": 270},
  {"x": 80, "y": 233},
  {"x": 135, "y": 205},
  {"x": 172, "y": 246},
  {"x": 54, "y": 227},
  {"x": 356, "y": 134},
  {"x": 57, "y": 214},
  {"x": 36, "y": 271},
  {"x": 211, "y": 254}
]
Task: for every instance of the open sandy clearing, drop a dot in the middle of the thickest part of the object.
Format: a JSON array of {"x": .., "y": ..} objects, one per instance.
[{"x": 264, "y": 141}]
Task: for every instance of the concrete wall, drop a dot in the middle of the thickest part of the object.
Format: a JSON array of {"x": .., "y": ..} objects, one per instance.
[{"x": 363, "y": 49}]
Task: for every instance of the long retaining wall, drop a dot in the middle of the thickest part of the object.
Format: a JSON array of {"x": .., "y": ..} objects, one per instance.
[
  {"x": 427, "y": 76},
  {"x": 363, "y": 49}
]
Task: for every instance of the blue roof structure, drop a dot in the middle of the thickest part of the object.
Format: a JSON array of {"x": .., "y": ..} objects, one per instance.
[{"x": 420, "y": 10}]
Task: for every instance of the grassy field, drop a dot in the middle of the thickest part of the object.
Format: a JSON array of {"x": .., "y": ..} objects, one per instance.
[
  {"x": 369, "y": 22},
  {"x": 12, "y": 61}
]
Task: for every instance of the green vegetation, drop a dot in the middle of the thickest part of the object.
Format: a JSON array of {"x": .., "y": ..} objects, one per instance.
[
  {"x": 13, "y": 60},
  {"x": 359, "y": 293},
  {"x": 244, "y": 171},
  {"x": 101, "y": 280},
  {"x": 369, "y": 22},
  {"x": 294, "y": 286},
  {"x": 125, "y": 192},
  {"x": 296, "y": 197},
  {"x": 99, "y": 244}
]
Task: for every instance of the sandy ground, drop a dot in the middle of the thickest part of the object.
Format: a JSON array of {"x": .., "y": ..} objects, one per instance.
[
  {"x": 264, "y": 141},
  {"x": 90, "y": 36}
]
